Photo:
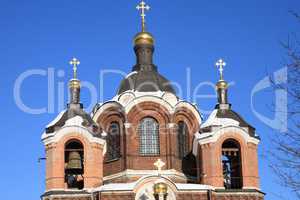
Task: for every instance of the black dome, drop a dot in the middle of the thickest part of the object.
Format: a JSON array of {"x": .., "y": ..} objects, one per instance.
[
  {"x": 145, "y": 81},
  {"x": 144, "y": 76}
]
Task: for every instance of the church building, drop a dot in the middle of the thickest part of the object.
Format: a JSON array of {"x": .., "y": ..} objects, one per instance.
[{"x": 148, "y": 144}]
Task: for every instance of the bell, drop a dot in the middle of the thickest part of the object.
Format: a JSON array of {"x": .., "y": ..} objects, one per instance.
[{"x": 75, "y": 164}]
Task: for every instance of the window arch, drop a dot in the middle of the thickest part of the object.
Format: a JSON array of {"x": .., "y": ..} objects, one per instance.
[
  {"x": 149, "y": 137},
  {"x": 74, "y": 165},
  {"x": 113, "y": 142},
  {"x": 182, "y": 139},
  {"x": 232, "y": 166}
]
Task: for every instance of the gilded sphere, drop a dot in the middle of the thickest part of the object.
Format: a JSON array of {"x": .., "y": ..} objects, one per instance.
[
  {"x": 143, "y": 38},
  {"x": 222, "y": 84},
  {"x": 74, "y": 83},
  {"x": 160, "y": 188}
]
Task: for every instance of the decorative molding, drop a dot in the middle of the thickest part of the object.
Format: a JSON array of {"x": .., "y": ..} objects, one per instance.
[
  {"x": 155, "y": 97},
  {"x": 171, "y": 125},
  {"x": 73, "y": 126},
  {"x": 130, "y": 172},
  {"x": 212, "y": 137},
  {"x": 180, "y": 187},
  {"x": 128, "y": 125},
  {"x": 148, "y": 98}
]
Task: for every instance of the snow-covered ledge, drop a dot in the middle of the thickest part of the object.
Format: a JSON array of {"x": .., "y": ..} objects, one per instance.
[{"x": 181, "y": 187}]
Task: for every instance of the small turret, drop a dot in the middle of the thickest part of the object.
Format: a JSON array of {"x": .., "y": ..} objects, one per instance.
[
  {"x": 222, "y": 87},
  {"x": 74, "y": 86}
]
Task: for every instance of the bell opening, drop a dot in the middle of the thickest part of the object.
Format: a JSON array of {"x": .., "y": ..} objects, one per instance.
[{"x": 74, "y": 166}]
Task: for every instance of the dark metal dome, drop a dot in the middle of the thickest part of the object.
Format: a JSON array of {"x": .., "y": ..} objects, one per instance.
[
  {"x": 144, "y": 76},
  {"x": 145, "y": 81}
]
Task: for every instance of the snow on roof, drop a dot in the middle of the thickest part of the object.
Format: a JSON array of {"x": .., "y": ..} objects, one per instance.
[
  {"x": 214, "y": 120},
  {"x": 58, "y": 117}
]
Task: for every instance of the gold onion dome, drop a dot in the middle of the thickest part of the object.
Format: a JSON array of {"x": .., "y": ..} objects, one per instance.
[
  {"x": 143, "y": 38},
  {"x": 160, "y": 188}
]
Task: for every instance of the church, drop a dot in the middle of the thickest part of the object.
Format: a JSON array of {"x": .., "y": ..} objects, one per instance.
[{"x": 148, "y": 144}]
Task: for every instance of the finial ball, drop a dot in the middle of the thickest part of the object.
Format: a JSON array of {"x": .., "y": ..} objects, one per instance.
[{"x": 143, "y": 38}]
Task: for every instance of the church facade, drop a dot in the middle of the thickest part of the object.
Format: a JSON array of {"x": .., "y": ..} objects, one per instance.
[{"x": 148, "y": 144}]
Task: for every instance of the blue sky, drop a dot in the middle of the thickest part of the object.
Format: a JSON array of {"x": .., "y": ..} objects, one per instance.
[{"x": 189, "y": 35}]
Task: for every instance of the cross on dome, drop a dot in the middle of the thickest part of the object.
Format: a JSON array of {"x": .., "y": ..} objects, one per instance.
[
  {"x": 75, "y": 62},
  {"x": 143, "y": 7},
  {"x": 221, "y": 64}
]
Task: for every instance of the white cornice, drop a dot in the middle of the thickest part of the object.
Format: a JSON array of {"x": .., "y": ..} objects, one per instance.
[
  {"x": 131, "y": 172},
  {"x": 212, "y": 137},
  {"x": 167, "y": 100},
  {"x": 72, "y": 126},
  {"x": 180, "y": 187}
]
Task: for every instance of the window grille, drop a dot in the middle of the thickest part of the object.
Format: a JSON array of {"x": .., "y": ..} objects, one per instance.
[
  {"x": 113, "y": 141},
  {"x": 182, "y": 139},
  {"x": 149, "y": 137}
]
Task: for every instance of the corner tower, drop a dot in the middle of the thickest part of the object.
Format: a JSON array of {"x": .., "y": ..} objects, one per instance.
[
  {"x": 74, "y": 149},
  {"x": 226, "y": 147}
]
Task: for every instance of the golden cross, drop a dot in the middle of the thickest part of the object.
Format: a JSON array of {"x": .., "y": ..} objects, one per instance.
[
  {"x": 143, "y": 7},
  {"x": 74, "y": 62},
  {"x": 159, "y": 165},
  {"x": 221, "y": 64}
]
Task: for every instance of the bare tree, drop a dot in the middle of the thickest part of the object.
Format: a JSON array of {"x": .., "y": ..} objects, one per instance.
[{"x": 286, "y": 152}]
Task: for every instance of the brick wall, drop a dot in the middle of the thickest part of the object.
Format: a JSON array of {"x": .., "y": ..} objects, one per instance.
[
  {"x": 130, "y": 158},
  {"x": 191, "y": 195}
]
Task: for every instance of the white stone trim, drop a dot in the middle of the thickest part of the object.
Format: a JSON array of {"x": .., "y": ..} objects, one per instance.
[
  {"x": 116, "y": 187},
  {"x": 171, "y": 125},
  {"x": 190, "y": 107},
  {"x": 180, "y": 187},
  {"x": 186, "y": 186},
  {"x": 131, "y": 73},
  {"x": 251, "y": 188},
  {"x": 68, "y": 130},
  {"x": 131, "y": 172},
  {"x": 155, "y": 97},
  {"x": 148, "y": 98},
  {"x": 128, "y": 125},
  {"x": 69, "y": 195},
  {"x": 243, "y": 193},
  {"x": 104, "y": 106},
  {"x": 57, "y": 189},
  {"x": 212, "y": 137},
  {"x": 72, "y": 126}
]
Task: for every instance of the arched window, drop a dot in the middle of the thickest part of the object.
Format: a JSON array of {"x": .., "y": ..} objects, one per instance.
[
  {"x": 182, "y": 139},
  {"x": 113, "y": 142},
  {"x": 232, "y": 167},
  {"x": 74, "y": 165},
  {"x": 149, "y": 137}
]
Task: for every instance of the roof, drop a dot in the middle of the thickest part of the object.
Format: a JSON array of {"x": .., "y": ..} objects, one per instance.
[
  {"x": 145, "y": 81},
  {"x": 72, "y": 111},
  {"x": 223, "y": 117}
]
